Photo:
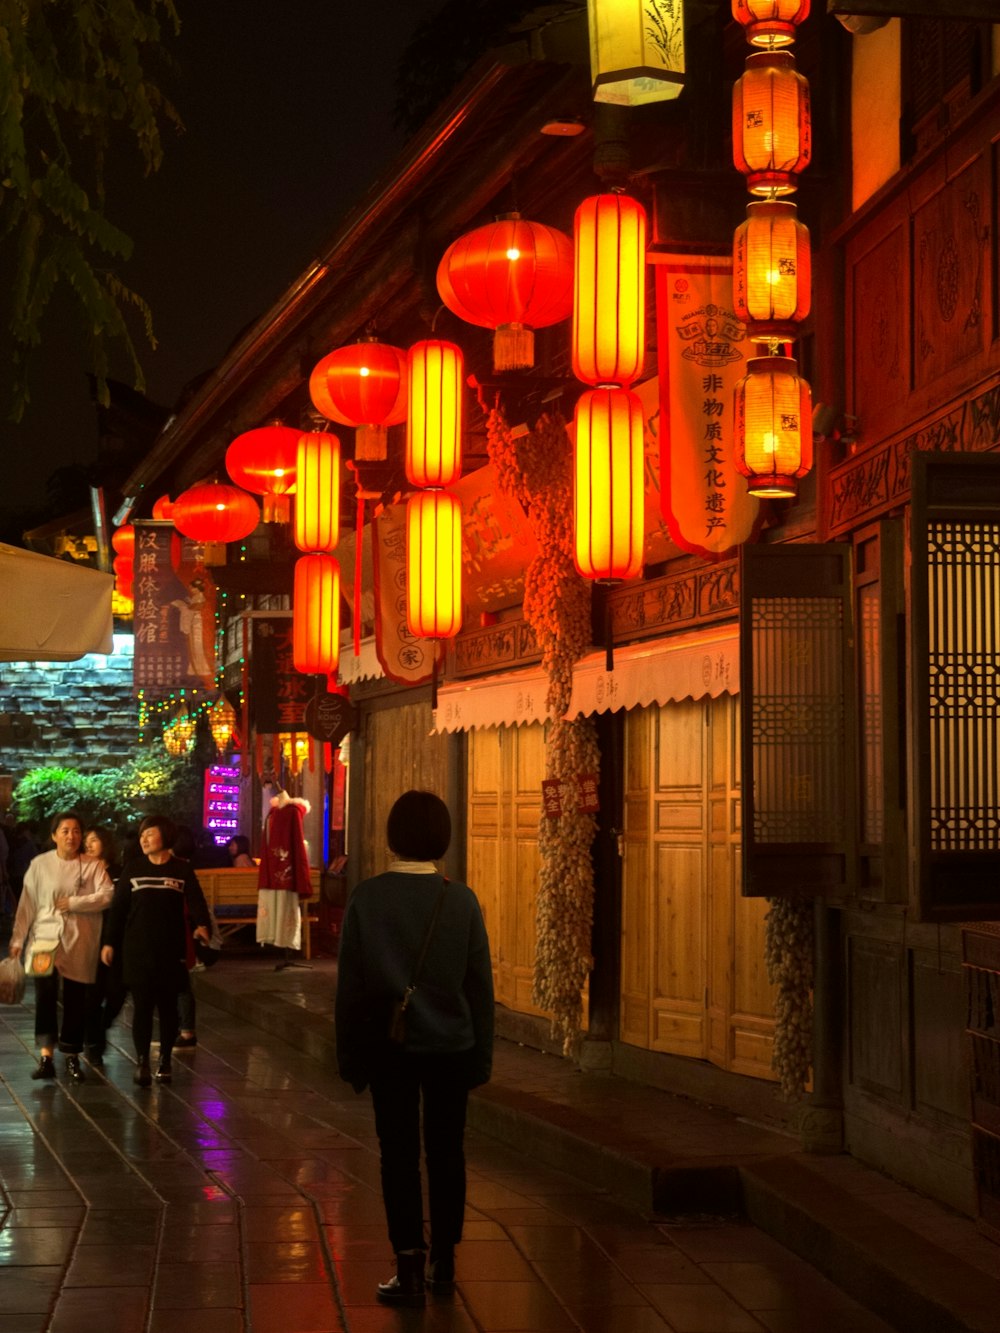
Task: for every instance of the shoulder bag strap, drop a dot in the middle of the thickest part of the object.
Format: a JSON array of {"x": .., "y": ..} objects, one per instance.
[{"x": 427, "y": 937}]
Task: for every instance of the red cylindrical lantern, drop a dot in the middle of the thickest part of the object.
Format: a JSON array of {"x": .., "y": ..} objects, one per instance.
[
  {"x": 163, "y": 509},
  {"x": 317, "y": 492},
  {"x": 773, "y": 444},
  {"x": 434, "y": 565},
  {"x": 435, "y": 419},
  {"x": 770, "y": 23},
  {"x": 213, "y": 512},
  {"x": 123, "y": 539},
  {"x": 608, "y": 501},
  {"x": 772, "y": 123},
  {"x": 609, "y": 293},
  {"x": 362, "y": 385},
  {"x": 263, "y": 461},
  {"x": 772, "y": 270},
  {"x": 512, "y": 276},
  {"x": 316, "y": 615}
]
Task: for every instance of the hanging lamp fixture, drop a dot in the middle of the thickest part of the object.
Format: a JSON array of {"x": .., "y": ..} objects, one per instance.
[{"x": 636, "y": 50}]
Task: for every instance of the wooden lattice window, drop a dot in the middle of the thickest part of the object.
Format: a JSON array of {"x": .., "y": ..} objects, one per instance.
[
  {"x": 955, "y": 652},
  {"x": 945, "y": 64},
  {"x": 796, "y": 682},
  {"x": 878, "y": 594}
]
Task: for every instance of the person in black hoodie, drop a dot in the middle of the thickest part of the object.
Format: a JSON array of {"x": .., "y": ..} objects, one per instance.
[
  {"x": 146, "y": 927},
  {"x": 448, "y": 1043}
]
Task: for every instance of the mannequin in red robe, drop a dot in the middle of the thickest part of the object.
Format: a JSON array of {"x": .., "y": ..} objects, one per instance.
[{"x": 283, "y": 879}]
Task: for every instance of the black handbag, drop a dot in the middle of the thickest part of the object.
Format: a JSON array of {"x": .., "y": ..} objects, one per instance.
[{"x": 397, "y": 1016}]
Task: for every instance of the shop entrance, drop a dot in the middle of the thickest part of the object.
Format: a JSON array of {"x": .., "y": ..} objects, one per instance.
[{"x": 694, "y": 981}]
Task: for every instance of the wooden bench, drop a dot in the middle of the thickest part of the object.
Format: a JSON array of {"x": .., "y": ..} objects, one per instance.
[{"x": 232, "y": 896}]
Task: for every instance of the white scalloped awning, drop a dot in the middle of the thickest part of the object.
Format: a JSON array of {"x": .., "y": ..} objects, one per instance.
[
  {"x": 686, "y": 666},
  {"x": 51, "y": 610},
  {"x": 365, "y": 666}
]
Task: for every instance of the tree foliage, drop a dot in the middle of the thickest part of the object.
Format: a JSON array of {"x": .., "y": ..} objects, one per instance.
[
  {"x": 153, "y": 784},
  {"x": 72, "y": 81}
]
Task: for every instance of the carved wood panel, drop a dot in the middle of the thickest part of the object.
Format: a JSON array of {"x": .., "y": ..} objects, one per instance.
[{"x": 950, "y": 233}]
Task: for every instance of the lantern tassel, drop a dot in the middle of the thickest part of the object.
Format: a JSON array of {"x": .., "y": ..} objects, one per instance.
[
  {"x": 434, "y": 681},
  {"x": 513, "y": 347},
  {"x": 359, "y": 532},
  {"x": 609, "y": 637},
  {"x": 370, "y": 443}
]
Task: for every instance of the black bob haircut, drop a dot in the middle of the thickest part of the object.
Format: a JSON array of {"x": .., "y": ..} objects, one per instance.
[
  {"x": 419, "y": 827},
  {"x": 166, "y": 826}
]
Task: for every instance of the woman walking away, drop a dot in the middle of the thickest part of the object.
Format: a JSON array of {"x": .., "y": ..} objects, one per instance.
[
  {"x": 58, "y": 928},
  {"x": 147, "y": 930},
  {"x": 411, "y": 935}
]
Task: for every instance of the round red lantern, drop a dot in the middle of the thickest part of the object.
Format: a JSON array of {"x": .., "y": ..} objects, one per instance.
[
  {"x": 513, "y": 276},
  {"x": 213, "y": 512},
  {"x": 772, "y": 123},
  {"x": 124, "y": 567},
  {"x": 317, "y": 492},
  {"x": 316, "y": 615},
  {"x": 609, "y": 293},
  {"x": 362, "y": 385},
  {"x": 770, "y": 23},
  {"x": 436, "y": 374},
  {"x": 434, "y": 564},
  {"x": 163, "y": 510},
  {"x": 123, "y": 539},
  {"x": 608, "y": 500},
  {"x": 263, "y": 461},
  {"x": 772, "y": 270},
  {"x": 773, "y": 443}
]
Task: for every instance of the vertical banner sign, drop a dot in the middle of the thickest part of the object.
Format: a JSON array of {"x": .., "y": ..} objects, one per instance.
[
  {"x": 174, "y": 615},
  {"x": 703, "y": 350},
  {"x": 278, "y": 693},
  {"x": 402, "y": 655}
]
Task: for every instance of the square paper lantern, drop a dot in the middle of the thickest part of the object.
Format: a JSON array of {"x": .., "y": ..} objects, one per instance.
[{"x": 636, "y": 50}]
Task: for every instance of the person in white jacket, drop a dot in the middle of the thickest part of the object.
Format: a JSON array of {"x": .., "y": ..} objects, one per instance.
[{"x": 59, "y": 913}]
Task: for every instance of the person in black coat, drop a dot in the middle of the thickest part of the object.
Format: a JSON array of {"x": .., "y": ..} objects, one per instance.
[
  {"x": 448, "y": 1043},
  {"x": 147, "y": 928}
]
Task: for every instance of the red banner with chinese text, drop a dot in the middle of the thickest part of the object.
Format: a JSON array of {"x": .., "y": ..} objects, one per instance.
[
  {"x": 174, "y": 613},
  {"x": 278, "y": 693},
  {"x": 702, "y": 351}
]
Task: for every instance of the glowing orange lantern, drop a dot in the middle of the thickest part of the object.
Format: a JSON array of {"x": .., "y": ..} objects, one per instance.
[
  {"x": 608, "y": 500},
  {"x": 770, "y": 23},
  {"x": 773, "y": 436},
  {"x": 434, "y": 422},
  {"x": 434, "y": 565},
  {"x": 772, "y": 270},
  {"x": 636, "y": 51},
  {"x": 123, "y": 540},
  {"x": 317, "y": 492},
  {"x": 316, "y": 615},
  {"x": 609, "y": 295},
  {"x": 512, "y": 276},
  {"x": 362, "y": 385},
  {"x": 213, "y": 512},
  {"x": 163, "y": 510},
  {"x": 222, "y": 723},
  {"x": 772, "y": 125},
  {"x": 263, "y": 461}
]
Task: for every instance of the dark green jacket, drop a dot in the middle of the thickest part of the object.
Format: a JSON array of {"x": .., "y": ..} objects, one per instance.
[{"x": 451, "y": 1010}]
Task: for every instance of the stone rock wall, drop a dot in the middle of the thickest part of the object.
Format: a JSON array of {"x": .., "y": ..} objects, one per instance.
[{"x": 73, "y": 714}]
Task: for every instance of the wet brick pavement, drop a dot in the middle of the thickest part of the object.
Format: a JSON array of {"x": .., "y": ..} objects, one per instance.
[{"x": 244, "y": 1199}]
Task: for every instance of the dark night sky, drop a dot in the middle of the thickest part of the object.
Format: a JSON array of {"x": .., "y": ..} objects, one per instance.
[{"x": 287, "y": 112}]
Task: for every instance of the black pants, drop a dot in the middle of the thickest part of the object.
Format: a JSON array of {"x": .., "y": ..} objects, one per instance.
[
  {"x": 397, "y": 1088},
  {"x": 106, "y": 1005},
  {"x": 156, "y": 992},
  {"x": 48, "y": 1032}
]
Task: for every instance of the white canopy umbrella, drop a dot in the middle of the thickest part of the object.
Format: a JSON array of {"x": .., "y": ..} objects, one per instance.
[{"x": 51, "y": 610}]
